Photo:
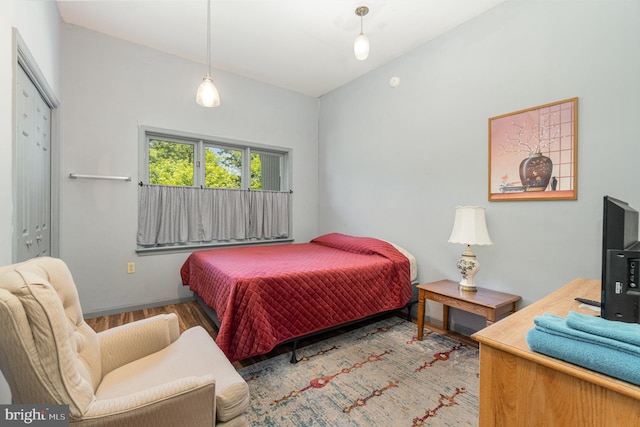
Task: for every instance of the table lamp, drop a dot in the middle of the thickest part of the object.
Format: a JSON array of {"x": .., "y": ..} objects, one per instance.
[{"x": 469, "y": 228}]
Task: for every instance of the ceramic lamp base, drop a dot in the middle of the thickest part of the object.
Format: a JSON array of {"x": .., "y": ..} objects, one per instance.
[{"x": 468, "y": 266}]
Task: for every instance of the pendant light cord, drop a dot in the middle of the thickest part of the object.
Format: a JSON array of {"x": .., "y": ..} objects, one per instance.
[{"x": 208, "y": 38}]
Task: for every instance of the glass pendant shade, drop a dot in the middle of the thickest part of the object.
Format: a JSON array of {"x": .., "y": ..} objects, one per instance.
[
  {"x": 361, "y": 47},
  {"x": 207, "y": 94}
]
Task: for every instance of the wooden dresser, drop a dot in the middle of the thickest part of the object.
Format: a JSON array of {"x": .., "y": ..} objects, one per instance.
[{"x": 519, "y": 387}]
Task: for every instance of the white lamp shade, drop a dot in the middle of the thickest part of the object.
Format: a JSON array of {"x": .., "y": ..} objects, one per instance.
[
  {"x": 361, "y": 47},
  {"x": 470, "y": 226},
  {"x": 207, "y": 94}
]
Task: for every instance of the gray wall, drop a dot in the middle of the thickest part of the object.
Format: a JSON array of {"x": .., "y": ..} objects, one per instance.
[
  {"x": 395, "y": 163},
  {"x": 110, "y": 87}
]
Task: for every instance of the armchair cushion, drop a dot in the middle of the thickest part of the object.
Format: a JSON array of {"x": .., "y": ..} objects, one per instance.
[{"x": 193, "y": 354}]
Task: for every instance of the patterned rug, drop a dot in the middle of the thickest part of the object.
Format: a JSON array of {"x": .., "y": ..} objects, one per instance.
[{"x": 377, "y": 375}]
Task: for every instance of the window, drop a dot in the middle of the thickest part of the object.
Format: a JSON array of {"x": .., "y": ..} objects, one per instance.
[
  {"x": 208, "y": 191},
  {"x": 171, "y": 163},
  {"x": 222, "y": 167},
  {"x": 174, "y": 161}
]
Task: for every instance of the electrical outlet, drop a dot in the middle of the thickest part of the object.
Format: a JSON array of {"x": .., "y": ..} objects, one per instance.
[{"x": 131, "y": 267}]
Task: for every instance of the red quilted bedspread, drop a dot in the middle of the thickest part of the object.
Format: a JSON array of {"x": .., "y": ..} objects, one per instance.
[{"x": 265, "y": 295}]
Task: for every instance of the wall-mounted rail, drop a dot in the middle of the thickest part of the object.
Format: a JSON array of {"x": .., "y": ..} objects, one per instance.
[{"x": 108, "y": 177}]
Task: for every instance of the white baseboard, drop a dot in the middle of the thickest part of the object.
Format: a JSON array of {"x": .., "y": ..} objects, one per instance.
[{"x": 125, "y": 309}]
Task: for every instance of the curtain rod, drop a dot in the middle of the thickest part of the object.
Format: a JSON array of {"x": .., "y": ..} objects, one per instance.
[
  {"x": 112, "y": 178},
  {"x": 141, "y": 184}
]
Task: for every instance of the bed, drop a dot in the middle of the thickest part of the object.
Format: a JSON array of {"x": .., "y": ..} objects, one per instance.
[{"x": 262, "y": 296}]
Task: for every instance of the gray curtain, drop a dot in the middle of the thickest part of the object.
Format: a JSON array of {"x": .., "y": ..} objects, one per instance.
[{"x": 177, "y": 215}]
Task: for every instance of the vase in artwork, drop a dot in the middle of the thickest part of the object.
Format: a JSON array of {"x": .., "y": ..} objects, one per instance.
[{"x": 535, "y": 172}]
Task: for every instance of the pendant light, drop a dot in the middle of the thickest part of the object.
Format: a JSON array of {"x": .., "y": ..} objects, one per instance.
[
  {"x": 361, "y": 44},
  {"x": 207, "y": 94}
]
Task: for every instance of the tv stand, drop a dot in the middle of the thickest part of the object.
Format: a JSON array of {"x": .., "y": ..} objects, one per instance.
[
  {"x": 591, "y": 302},
  {"x": 519, "y": 387}
]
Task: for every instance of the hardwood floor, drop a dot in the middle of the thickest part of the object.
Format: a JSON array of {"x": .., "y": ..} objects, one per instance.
[{"x": 191, "y": 314}]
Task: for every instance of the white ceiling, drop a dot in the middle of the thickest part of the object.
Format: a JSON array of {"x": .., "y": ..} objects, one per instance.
[{"x": 302, "y": 45}]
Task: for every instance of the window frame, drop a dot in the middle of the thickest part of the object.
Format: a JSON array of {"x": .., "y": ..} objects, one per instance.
[{"x": 200, "y": 143}]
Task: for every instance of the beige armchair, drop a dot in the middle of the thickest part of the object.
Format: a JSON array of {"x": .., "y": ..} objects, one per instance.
[{"x": 140, "y": 374}]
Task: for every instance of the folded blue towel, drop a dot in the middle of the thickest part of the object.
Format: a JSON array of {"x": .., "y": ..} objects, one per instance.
[
  {"x": 619, "y": 331},
  {"x": 556, "y": 325},
  {"x": 617, "y": 364}
]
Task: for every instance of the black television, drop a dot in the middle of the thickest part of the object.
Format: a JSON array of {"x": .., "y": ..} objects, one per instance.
[{"x": 620, "y": 262}]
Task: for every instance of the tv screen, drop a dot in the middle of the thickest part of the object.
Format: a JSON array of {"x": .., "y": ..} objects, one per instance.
[{"x": 619, "y": 225}]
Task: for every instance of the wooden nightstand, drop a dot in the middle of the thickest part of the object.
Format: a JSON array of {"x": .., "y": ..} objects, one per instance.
[{"x": 484, "y": 302}]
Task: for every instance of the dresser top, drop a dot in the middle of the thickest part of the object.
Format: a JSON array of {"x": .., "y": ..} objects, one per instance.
[{"x": 509, "y": 334}]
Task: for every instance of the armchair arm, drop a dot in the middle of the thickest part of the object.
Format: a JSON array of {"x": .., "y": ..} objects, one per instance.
[
  {"x": 132, "y": 341},
  {"x": 187, "y": 401}
]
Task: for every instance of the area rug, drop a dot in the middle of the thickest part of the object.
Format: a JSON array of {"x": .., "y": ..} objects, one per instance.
[{"x": 377, "y": 375}]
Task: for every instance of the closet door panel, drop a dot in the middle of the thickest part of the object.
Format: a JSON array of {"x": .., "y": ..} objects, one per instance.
[{"x": 33, "y": 171}]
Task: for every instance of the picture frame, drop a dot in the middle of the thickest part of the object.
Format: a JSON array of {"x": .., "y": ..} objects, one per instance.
[{"x": 533, "y": 153}]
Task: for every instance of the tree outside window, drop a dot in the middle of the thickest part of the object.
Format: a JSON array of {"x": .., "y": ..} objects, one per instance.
[{"x": 174, "y": 163}]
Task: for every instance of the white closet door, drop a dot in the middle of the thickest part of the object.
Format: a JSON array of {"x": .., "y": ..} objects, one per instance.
[{"x": 33, "y": 171}]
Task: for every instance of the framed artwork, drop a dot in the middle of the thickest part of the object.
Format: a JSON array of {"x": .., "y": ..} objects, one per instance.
[{"x": 533, "y": 153}]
